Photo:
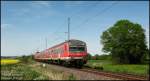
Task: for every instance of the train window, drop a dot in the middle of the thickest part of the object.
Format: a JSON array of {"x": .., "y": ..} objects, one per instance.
[
  {"x": 76, "y": 49},
  {"x": 61, "y": 51},
  {"x": 49, "y": 51},
  {"x": 54, "y": 51},
  {"x": 58, "y": 50}
]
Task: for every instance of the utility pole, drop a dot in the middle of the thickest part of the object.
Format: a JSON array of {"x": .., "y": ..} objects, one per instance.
[{"x": 68, "y": 29}]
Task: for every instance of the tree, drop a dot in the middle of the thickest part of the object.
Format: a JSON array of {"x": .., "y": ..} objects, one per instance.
[
  {"x": 125, "y": 41},
  {"x": 89, "y": 56},
  {"x": 96, "y": 57},
  {"x": 104, "y": 57},
  {"x": 26, "y": 58}
]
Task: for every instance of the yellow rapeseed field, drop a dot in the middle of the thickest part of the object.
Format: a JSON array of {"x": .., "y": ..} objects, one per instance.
[{"x": 9, "y": 61}]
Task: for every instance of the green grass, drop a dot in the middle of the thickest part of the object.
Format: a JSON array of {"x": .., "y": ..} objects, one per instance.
[
  {"x": 18, "y": 72},
  {"x": 99, "y": 62},
  {"x": 132, "y": 69},
  {"x": 71, "y": 77},
  {"x": 136, "y": 69},
  {"x": 50, "y": 72}
]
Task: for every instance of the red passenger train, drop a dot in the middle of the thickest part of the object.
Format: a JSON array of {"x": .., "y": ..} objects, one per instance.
[{"x": 71, "y": 52}]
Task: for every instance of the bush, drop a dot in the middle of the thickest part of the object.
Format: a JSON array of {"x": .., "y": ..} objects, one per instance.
[
  {"x": 98, "y": 67},
  {"x": 72, "y": 77},
  {"x": 26, "y": 59}
]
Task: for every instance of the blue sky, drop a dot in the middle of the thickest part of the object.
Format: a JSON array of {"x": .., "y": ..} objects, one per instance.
[{"x": 26, "y": 24}]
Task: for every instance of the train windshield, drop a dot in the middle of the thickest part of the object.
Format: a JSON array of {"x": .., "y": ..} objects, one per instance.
[{"x": 76, "y": 49}]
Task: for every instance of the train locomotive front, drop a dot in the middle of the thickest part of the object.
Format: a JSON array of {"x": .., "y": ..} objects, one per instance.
[
  {"x": 70, "y": 53},
  {"x": 77, "y": 52}
]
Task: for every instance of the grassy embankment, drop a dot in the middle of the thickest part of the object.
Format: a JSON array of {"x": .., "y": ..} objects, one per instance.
[
  {"x": 15, "y": 69},
  {"x": 106, "y": 65},
  {"x": 52, "y": 73}
]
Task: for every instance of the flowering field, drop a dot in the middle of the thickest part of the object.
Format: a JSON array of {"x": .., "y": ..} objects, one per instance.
[{"x": 9, "y": 61}]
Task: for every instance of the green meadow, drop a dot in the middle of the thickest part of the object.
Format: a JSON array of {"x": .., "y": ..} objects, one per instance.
[{"x": 106, "y": 65}]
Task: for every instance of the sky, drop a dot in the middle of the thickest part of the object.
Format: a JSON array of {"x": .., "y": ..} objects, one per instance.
[{"x": 26, "y": 25}]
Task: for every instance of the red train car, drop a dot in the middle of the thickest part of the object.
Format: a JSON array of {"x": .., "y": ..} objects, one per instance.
[{"x": 71, "y": 52}]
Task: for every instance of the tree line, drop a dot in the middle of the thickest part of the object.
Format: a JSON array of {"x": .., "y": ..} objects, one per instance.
[{"x": 98, "y": 57}]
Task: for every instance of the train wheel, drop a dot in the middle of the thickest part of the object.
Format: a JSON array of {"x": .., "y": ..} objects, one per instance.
[
  {"x": 59, "y": 62},
  {"x": 67, "y": 64},
  {"x": 79, "y": 63}
]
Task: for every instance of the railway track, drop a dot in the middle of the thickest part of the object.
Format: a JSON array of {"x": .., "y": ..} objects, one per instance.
[
  {"x": 120, "y": 76},
  {"x": 115, "y": 75}
]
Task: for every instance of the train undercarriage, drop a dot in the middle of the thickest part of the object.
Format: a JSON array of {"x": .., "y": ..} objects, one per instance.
[{"x": 78, "y": 63}]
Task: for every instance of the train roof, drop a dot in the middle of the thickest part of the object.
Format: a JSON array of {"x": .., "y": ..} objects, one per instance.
[
  {"x": 71, "y": 42},
  {"x": 76, "y": 42}
]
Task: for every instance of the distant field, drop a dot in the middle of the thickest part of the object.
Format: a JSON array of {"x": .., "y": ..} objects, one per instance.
[
  {"x": 9, "y": 61},
  {"x": 124, "y": 68}
]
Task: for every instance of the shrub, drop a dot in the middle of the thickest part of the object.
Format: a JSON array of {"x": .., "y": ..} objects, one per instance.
[
  {"x": 71, "y": 77},
  {"x": 98, "y": 67}
]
